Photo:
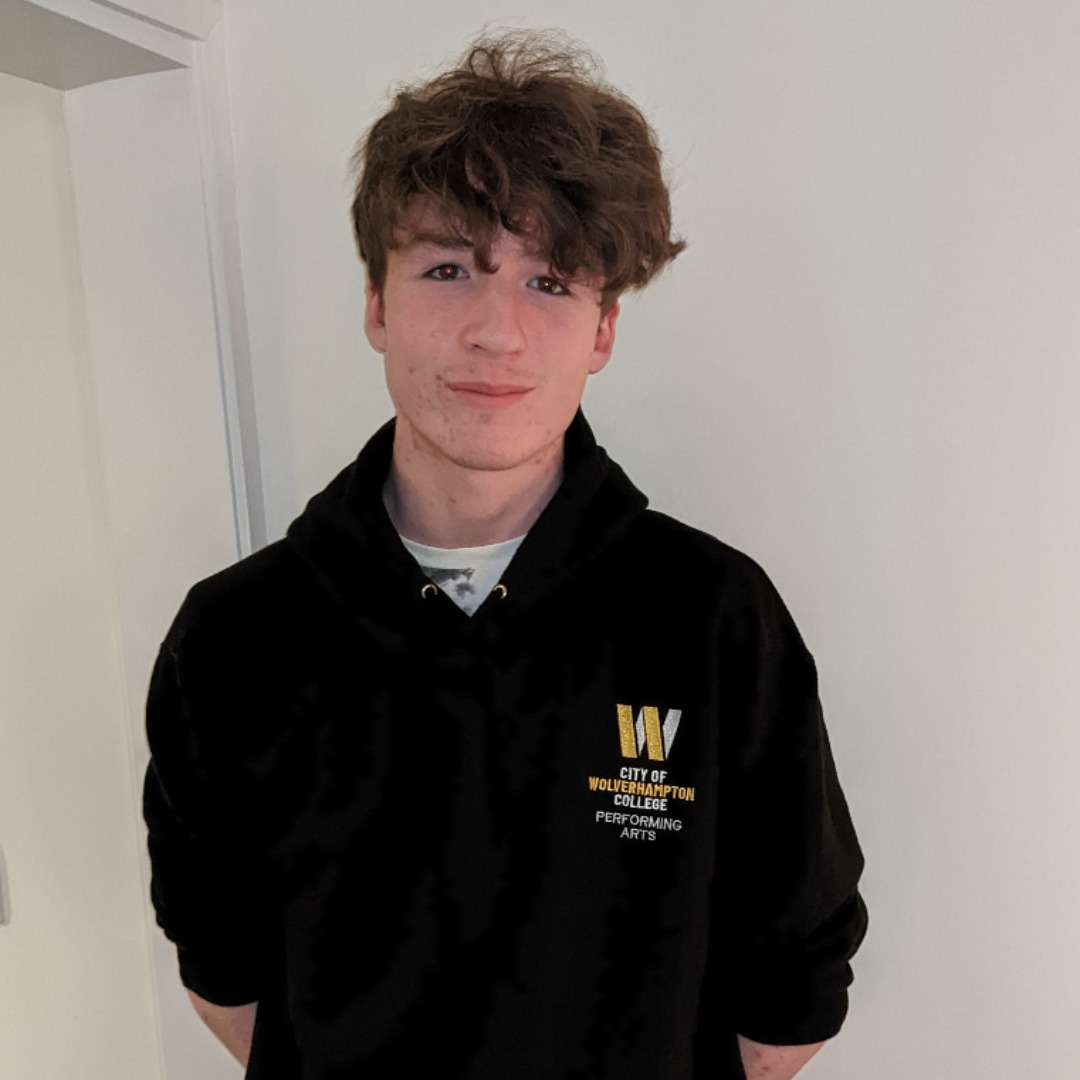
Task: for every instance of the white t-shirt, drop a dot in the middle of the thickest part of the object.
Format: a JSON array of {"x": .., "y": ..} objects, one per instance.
[{"x": 466, "y": 575}]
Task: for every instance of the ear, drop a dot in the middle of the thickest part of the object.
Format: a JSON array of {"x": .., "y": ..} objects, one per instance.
[
  {"x": 605, "y": 339},
  {"x": 375, "y": 318}
]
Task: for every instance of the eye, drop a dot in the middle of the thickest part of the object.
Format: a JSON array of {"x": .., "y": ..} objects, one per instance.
[
  {"x": 446, "y": 272},
  {"x": 550, "y": 285}
]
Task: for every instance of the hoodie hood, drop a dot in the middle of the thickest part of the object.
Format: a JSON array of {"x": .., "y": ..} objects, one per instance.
[{"x": 347, "y": 541}]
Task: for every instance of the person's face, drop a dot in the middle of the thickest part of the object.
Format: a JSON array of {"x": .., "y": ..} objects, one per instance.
[{"x": 486, "y": 371}]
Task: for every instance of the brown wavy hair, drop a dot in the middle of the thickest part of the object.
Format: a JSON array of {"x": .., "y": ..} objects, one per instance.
[{"x": 522, "y": 135}]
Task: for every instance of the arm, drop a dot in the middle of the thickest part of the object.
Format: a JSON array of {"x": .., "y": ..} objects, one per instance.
[
  {"x": 208, "y": 882},
  {"x": 761, "y": 1062},
  {"x": 793, "y": 917},
  {"x": 232, "y": 1024}
]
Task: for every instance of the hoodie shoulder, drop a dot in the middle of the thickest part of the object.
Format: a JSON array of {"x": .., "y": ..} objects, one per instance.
[
  {"x": 259, "y": 589},
  {"x": 693, "y": 550},
  {"x": 700, "y": 571}
]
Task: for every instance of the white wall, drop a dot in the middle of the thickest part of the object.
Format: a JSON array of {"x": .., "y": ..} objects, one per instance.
[
  {"x": 75, "y": 994},
  {"x": 863, "y": 371}
]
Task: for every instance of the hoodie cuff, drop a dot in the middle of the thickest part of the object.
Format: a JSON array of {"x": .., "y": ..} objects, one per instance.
[
  {"x": 217, "y": 981},
  {"x": 787, "y": 1020}
]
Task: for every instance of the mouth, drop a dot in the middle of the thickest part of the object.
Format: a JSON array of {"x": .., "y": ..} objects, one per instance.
[{"x": 489, "y": 395}]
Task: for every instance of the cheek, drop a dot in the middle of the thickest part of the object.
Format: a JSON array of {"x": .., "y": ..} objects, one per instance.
[
  {"x": 423, "y": 340},
  {"x": 413, "y": 374}
]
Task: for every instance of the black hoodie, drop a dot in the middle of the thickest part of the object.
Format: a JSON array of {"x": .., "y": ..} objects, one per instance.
[{"x": 593, "y": 831}]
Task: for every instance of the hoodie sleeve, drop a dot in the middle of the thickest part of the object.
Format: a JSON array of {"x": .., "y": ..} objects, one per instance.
[
  {"x": 208, "y": 887},
  {"x": 795, "y": 915}
]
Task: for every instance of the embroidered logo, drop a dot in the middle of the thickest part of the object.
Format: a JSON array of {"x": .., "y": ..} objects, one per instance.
[
  {"x": 646, "y": 732},
  {"x": 644, "y": 799}
]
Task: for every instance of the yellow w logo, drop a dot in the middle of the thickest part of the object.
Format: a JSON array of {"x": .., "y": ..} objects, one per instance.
[{"x": 646, "y": 732}]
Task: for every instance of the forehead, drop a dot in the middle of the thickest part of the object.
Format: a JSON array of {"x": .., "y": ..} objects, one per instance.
[{"x": 427, "y": 225}]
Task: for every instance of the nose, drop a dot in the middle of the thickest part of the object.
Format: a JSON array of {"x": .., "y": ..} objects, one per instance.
[{"x": 495, "y": 323}]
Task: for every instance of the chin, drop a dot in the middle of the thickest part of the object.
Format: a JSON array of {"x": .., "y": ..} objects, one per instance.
[
  {"x": 486, "y": 448},
  {"x": 491, "y": 458}
]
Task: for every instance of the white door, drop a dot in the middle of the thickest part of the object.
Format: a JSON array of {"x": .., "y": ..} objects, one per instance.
[
  {"x": 115, "y": 497},
  {"x": 76, "y": 995}
]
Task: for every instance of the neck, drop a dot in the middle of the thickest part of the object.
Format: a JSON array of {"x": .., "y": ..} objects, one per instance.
[{"x": 442, "y": 504}]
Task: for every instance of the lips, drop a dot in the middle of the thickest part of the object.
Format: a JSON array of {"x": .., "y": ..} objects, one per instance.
[{"x": 489, "y": 395}]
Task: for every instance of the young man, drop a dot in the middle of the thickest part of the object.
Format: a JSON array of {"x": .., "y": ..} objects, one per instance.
[{"x": 438, "y": 785}]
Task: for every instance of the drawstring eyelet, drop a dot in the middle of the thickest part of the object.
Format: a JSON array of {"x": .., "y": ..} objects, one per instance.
[
  {"x": 499, "y": 591},
  {"x": 428, "y": 591}
]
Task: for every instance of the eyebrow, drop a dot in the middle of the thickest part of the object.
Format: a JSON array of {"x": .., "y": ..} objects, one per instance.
[{"x": 443, "y": 241}]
